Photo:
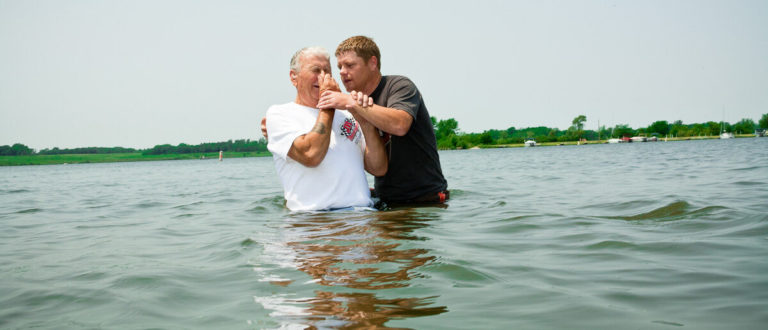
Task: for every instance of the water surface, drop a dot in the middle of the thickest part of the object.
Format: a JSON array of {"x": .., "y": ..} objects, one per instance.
[{"x": 637, "y": 236}]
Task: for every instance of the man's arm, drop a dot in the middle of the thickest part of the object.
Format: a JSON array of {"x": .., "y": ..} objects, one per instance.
[
  {"x": 390, "y": 120},
  {"x": 326, "y": 82},
  {"x": 375, "y": 156},
  {"x": 310, "y": 149}
]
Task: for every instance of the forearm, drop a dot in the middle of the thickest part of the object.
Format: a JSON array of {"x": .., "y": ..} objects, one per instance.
[
  {"x": 310, "y": 149},
  {"x": 393, "y": 121},
  {"x": 375, "y": 157}
]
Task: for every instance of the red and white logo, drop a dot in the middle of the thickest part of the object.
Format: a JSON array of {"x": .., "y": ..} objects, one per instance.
[{"x": 350, "y": 129}]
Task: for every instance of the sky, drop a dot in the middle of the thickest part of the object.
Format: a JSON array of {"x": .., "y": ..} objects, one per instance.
[{"x": 76, "y": 73}]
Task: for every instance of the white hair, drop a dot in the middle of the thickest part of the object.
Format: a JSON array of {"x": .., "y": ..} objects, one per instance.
[{"x": 308, "y": 51}]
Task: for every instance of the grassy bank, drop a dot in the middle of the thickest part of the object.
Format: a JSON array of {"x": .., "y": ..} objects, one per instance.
[
  {"x": 111, "y": 158},
  {"x": 573, "y": 143}
]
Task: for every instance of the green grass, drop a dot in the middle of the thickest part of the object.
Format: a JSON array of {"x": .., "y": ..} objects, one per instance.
[{"x": 111, "y": 158}]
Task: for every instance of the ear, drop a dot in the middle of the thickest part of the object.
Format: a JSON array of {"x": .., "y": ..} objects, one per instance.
[
  {"x": 373, "y": 63},
  {"x": 294, "y": 78}
]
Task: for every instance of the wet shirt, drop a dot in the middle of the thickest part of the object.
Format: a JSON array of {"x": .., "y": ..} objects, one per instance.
[{"x": 339, "y": 181}]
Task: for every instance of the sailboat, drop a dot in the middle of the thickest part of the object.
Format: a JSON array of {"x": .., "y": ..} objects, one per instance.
[{"x": 723, "y": 133}]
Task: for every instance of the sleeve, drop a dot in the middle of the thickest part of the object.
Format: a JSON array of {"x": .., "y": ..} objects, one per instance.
[
  {"x": 282, "y": 130},
  {"x": 404, "y": 95}
]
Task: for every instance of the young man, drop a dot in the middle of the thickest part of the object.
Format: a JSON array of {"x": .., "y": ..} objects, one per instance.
[
  {"x": 320, "y": 154},
  {"x": 414, "y": 174}
]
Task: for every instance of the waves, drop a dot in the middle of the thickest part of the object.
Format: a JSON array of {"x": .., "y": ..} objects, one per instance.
[{"x": 561, "y": 237}]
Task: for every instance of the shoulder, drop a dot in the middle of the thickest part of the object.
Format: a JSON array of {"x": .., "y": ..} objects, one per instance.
[
  {"x": 289, "y": 109},
  {"x": 400, "y": 84},
  {"x": 281, "y": 107},
  {"x": 397, "y": 80}
]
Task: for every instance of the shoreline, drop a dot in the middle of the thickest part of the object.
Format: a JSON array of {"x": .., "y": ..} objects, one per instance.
[
  {"x": 574, "y": 143},
  {"x": 138, "y": 157},
  {"x": 116, "y": 158}
]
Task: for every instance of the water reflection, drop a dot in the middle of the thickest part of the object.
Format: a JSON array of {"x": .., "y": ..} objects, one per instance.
[{"x": 350, "y": 254}]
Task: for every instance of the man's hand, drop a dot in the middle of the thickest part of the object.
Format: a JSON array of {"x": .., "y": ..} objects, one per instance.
[
  {"x": 334, "y": 100},
  {"x": 362, "y": 99},
  {"x": 264, "y": 128},
  {"x": 327, "y": 83},
  {"x": 337, "y": 100},
  {"x": 363, "y": 103}
]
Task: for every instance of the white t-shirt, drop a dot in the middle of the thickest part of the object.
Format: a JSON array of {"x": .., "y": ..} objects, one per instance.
[{"x": 339, "y": 181}]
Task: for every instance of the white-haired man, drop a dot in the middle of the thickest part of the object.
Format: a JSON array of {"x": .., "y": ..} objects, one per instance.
[{"x": 321, "y": 154}]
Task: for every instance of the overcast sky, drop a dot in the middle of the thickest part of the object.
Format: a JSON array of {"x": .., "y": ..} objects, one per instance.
[{"x": 141, "y": 73}]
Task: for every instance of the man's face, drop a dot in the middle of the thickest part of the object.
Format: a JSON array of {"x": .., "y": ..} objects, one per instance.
[
  {"x": 355, "y": 73},
  {"x": 307, "y": 88}
]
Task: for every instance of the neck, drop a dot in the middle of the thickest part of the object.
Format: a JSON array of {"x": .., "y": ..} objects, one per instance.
[
  {"x": 372, "y": 84},
  {"x": 299, "y": 101}
]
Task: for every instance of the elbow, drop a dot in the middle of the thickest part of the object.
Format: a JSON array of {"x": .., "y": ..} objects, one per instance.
[
  {"x": 311, "y": 160},
  {"x": 379, "y": 168},
  {"x": 401, "y": 123},
  {"x": 378, "y": 171},
  {"x": 401, "y": 129},
  {"x": 312, "y": 163},
  {"x": 314, "y": 160}
]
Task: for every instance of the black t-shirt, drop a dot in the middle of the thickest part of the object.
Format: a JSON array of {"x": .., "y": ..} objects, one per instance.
[{"x": 414, "y": 165}]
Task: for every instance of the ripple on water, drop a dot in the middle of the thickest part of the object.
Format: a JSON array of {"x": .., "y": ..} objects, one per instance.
[
  {"x": 677, "y": 210},
  {"x": 274, "y": 203},
  {"x": 459, "y": 275},
  {"x": 28, "y": 211},
  {"x": 14, "y": 191},
  {"x": 750, "y": 183},
  {"x": 189, "y": 205},
  {"x": 190, "y": 215}
]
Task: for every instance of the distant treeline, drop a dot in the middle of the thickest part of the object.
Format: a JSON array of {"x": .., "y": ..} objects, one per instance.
[
  {"x": 87, "y": 150},
  {"x": 19, "y": 149},
  {"x": 449, "y": 136},
  {"x": 229, "y": 146}
]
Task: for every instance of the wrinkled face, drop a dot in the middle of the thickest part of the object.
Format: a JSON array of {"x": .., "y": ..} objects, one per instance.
[
  {"x": 355, "y": 73},
  {"x": 307, "y": 88}
]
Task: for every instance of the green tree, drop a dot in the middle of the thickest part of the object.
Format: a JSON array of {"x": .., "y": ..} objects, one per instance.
[
  {"x": 486, "y": 138},
  {"x": 764, "y": 121},
  {"x": 446, "y": 128},
  {"x": 578, "y": 122},
  {"x": 16, "y": 149},
  {"x": 661, "y": 127},
  {"x": 677, "y": 128},
  {"x": 713, "y": 128},
  {"x": 623, "y": 130},
  {"x": 578, "y": 125},
  {"x": 744, "y": 126}
]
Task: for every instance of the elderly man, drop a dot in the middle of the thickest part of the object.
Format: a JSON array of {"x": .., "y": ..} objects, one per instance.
[
  {"x": 414, "y": 175},
  {"x": 321, "y": 153}
]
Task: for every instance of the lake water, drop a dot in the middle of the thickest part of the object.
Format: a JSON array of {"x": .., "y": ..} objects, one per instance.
[{"x": 632, "y": 236}]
